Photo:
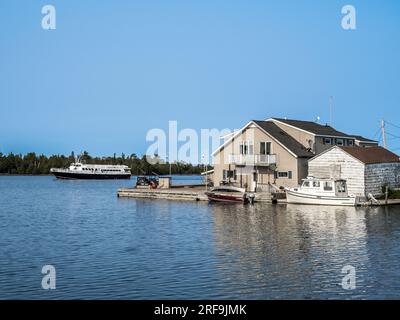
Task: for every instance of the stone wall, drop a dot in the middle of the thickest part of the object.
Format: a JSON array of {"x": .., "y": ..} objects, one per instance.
[{"x": 377, "y": 175}]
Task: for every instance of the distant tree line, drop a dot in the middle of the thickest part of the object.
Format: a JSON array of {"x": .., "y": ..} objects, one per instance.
[{"x": 32, "y": 163}]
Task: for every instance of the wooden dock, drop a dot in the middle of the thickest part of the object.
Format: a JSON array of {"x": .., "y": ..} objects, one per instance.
[
  {"x": 182, "y": 193},
  {"x": 380, "y": 203},
  {"x": 197, "y": 193},
  {"x": 187, "y": 194}
]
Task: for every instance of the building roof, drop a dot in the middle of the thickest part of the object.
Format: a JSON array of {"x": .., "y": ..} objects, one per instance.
[
  {"x": 285, "y": 139},
  {"x": 371, "y": 155},
  {"x": 362, "y": 139},
  {"x": 313, "y": 127}
]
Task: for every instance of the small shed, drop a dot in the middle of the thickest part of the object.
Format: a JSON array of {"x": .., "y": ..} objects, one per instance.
[{"x": 365, "y": 169}]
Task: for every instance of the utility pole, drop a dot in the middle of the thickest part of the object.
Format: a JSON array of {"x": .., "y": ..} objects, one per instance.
[
  {"x": 169, "y": 165},
  {"x": 383, "y": 133},
  {"x": 206, "y": 167}
]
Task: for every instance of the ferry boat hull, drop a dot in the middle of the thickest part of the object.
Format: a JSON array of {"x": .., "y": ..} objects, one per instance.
[
  {"x": 90, "y": 176},
  {"x": 304, "y": 198}
]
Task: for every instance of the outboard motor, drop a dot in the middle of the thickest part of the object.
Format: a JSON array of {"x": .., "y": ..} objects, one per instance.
[
  {"x": 372, "y": 198},
  {"x": 251, "y": 197}
]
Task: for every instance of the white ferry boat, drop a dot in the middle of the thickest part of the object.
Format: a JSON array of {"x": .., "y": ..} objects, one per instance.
[
  {"x": 322, "y": 192},
  {"x": 79, "y": 170}
]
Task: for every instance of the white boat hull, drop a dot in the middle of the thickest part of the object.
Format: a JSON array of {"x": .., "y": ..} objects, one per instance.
[{"x": 304, "y": 198}]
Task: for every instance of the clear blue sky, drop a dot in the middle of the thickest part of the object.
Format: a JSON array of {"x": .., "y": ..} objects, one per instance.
[{"x": 115, "y": 69}]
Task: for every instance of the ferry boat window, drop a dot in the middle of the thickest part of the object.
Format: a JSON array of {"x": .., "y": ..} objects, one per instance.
[{"x": 328, "y": 186}]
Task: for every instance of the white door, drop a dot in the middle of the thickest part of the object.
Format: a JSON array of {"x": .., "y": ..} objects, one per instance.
[{"x": 253, "y": 181}]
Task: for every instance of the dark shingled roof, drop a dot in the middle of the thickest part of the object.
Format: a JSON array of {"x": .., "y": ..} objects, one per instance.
[
  {"x": 288, "y": 141},
  {"x": 371, "y": 155},
  {"x": 313, "y": 127},
  {"x": 362, "y": 139}
]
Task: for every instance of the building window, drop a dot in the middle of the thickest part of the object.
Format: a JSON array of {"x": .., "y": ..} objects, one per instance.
[
  {"x": 246, "y": 147},
  {"x": 350, "y": 143},
  {"x": 265, "y": 148},
  {"x": 229, "y": 174},
  {"x": 285, "y": 174},
  {"x": 339, "y": 142},
  {"x": 327, "y": 140}
]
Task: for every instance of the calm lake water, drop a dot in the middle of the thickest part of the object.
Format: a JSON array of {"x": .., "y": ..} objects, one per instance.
[{"x": 108, "y": 248}]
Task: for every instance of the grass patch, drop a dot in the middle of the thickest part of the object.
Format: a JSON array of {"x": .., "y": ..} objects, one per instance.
[{"x": 392, "y": 193}]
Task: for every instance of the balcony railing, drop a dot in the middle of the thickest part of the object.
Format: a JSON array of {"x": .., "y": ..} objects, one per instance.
[{"x": 252, "y": 159}]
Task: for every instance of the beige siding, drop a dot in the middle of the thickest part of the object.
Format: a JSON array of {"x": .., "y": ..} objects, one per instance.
[
  {"x": 365, "y": 145},
  {"x": 320, "y": 146},
  {"x": 285, "y": 162},
  {"x": 306, "y": 139},
  {"x": 337, "y": 163}
]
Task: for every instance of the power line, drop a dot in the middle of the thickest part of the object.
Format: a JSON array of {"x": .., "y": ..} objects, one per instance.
[
  {"x": 376, "y": 133},
  {"x": 380, "y": 137},
  {"x": 394, "y": 125},
  {"x": 392, "y": 135}
]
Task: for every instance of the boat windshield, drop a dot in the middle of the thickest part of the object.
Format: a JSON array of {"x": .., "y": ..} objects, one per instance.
[
  {"x": 316, "y": 184},
  {"x": 328, "y": 186},
  {"x": 226, "y": 190},
  {"x": 306, "y": 184},
  {"x": 341, "y": 186}
]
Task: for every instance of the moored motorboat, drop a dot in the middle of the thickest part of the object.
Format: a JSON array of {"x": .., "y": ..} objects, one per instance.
[
  {"x": 227, "y": 194},
  {"x": 321, "y": 192}
]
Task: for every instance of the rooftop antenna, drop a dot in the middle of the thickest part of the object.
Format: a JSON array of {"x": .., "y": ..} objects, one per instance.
[
  {"x": 383, "y": 133},
  {"x": 331, "y": 111}
]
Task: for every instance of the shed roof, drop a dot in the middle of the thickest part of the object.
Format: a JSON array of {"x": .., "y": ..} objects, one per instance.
[{"x": 371, "y": 155}]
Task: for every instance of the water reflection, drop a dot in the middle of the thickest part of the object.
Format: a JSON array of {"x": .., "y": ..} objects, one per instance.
[
  {"x": 106, "y": 247},
  {"x": 289, "y": 251}
]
